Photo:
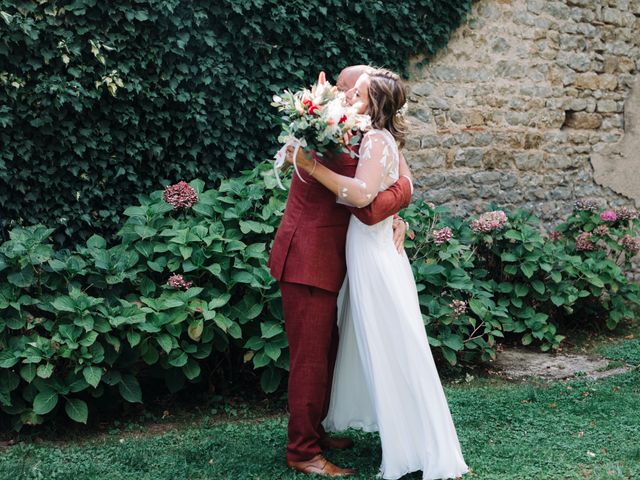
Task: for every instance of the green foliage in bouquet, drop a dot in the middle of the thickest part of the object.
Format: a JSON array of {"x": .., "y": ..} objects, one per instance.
[
  {"x": 186, "y": 286},
  {"x": 102, "y": 100}
]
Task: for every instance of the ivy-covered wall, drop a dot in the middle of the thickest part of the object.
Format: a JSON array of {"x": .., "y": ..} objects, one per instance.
[{"x": 101, "y": 101}]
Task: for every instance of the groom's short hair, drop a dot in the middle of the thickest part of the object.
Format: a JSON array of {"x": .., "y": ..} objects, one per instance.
[{"x": 349, "y": 75}]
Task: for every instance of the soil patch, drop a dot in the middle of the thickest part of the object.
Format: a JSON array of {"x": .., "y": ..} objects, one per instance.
[{"x": 518, "y": 363}]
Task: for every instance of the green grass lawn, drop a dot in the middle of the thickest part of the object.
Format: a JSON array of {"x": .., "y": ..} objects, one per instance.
[{"x": 581, "y": 429}]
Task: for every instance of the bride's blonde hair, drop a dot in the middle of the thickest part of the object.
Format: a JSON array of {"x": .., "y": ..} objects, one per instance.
[{"x": 386, "y": 97}]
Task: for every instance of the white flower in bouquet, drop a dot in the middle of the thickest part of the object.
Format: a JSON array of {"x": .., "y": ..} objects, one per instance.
[{"x": 320, "y": 119}]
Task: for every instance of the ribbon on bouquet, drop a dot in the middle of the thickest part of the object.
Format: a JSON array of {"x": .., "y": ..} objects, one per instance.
[{"x": 280, "y": 157}]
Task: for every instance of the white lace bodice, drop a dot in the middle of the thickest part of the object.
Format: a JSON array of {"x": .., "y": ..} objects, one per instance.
[{"x": 377, "y": 169}]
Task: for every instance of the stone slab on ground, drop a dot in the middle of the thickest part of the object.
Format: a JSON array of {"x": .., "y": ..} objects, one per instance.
[{"x": 518, "y": 363}]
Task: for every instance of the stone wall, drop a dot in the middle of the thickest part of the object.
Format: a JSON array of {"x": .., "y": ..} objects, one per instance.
[{"x": 524, "y": 97}]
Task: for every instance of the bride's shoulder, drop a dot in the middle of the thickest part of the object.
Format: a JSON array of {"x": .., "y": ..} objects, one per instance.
[{"x": 375, "y": 135}]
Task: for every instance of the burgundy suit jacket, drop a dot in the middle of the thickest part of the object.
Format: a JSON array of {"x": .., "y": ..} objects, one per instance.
[{"x": 309, "y": 247}]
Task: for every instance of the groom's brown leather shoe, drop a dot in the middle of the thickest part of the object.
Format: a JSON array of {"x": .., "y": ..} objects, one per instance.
[
  {"x": 320, "y": 466},
  {"x": 335, "y": 443}
]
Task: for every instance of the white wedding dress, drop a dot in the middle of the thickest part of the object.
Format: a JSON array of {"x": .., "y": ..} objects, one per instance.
[{"x": 385, "y": 378}]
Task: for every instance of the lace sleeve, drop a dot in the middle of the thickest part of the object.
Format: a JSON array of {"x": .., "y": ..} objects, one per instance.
[{"x": 376, "y": 157}]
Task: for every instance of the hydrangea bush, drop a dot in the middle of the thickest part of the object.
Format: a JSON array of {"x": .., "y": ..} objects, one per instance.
[{"x": 186, "y": 288}]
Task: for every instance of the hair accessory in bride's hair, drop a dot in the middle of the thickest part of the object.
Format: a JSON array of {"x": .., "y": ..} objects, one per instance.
[{"x": 402, "y": 112}]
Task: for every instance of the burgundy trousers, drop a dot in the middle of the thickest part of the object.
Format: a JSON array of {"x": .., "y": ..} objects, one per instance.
[{"x": 310, "y": 317}]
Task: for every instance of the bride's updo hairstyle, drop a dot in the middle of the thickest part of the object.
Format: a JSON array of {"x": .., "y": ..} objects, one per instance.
[{"x": 386, "y": 97}]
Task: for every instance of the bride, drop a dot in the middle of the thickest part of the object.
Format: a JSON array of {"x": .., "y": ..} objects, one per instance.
[{"x": 385, "y": 378}]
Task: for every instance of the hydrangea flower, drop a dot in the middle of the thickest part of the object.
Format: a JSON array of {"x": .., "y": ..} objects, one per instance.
[
  {"x": 442, "y": 236},
  {"x": 177, "y": 281},
  {"x": 555, "y": 236},
  {"x": 601, "y": 230},
  {"x": 608, "y": 216},
  {"x": 584, "y": 243},
  {"x": 588, "y": 205},
  {"x": 625, "y": 213},
  {"x": 630, "y": 244},
  {"x": 459, "y": 307},
  {"x": 489, "y": 221},
  {"x": 180, "y": 195}
]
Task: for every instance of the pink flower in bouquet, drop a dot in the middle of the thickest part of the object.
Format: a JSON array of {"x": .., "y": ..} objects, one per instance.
[
  {"x": 584, "y": 243},
  {"x": 180, "y": 195},
  {"x": 489, "y": 221},
  {"x": 178, "y": 282},
  {"x": 630, "y": 244},
  {"x": 442, "y": 236},
  {"x": 459, "y": 307},
  {"x": 608, "y": 216}
]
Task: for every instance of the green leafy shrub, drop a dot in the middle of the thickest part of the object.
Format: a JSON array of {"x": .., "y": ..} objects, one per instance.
[
  {"x": 78, "y": 323},
  {"x": 187, "y": 285},
  {"x": 102, "y": 100}
]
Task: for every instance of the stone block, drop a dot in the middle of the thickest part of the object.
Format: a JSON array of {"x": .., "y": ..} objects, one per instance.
[
  {"x": 588, "y": 81},
  {"x": 529, "y": 160},
  {"x": 438, "y": 103},
  {"x": 607, "y": 106},
  {"x": 486, "y": 177},
  {"x": 432, "y": 158},
  {"x": 430, "y": 180},
  {"x": 498, "y": 159},
  {"x": 468, "y": 157},
  {"x": 583, "y": 120},
  {"x": 430, "y": 141},
  {"x": 532, "y": 141},
  {"x": 508, "y": 180}
]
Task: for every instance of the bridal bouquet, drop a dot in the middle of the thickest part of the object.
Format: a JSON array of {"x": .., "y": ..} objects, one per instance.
[{"x": 317, "y": 118}]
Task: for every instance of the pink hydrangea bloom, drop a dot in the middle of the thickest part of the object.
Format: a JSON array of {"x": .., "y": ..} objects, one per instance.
[
  {"x": 180, "y": 195},
  {"x": 601, "y": 230},
  {"x": 608, "y": 216},
  {"x": 442, "y": 236},
  {"x": 625, "y": 213},
  {"x": 177, "y": 281},
  {"x": 630, "y": 244},
  {"x": 584, "y": 243},
  {"x": 489, "y": 221}
]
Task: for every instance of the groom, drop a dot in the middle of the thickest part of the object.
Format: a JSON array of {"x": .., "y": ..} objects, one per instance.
[{"x": 308, "y": 261}]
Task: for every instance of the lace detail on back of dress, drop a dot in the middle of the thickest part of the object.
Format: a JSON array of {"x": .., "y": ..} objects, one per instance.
[{"x": 381, "y": 144}]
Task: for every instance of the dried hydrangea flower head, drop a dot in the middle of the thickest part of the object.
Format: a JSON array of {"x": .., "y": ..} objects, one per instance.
[
  {"x": 489, "y": 221},
  {"x": 555, "y": 236},
  {"x": 442, "y": 236},
  {"x": 178, "y": 282},
  {"x": 586, "y": 205},
  {"x": 181, "y": 195},
  {"x": 601, "y": 230},
  {"x": 625, "y": 213},
  {"x": 630, "y": 244},
  {"x": 584, "y": 243},
  {"x": 459, "y": 307}
]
